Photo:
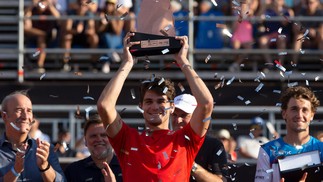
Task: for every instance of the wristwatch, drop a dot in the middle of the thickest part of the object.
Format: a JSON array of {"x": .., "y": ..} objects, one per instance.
[{"x": 194, "y": 167}]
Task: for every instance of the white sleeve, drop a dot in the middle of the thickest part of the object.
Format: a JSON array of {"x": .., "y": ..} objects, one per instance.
[{"x": 264, "y": 172}]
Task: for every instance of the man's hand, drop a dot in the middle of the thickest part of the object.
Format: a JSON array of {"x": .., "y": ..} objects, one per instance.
[
  {"x": 303, "y": 179},
  {"x": 42, "y": 153},
  {"x": 107, "y": 173}
]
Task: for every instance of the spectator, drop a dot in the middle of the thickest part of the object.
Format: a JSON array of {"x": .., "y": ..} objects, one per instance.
[
  {"x": 35, "y": 132},
  {"x": 92, "y": 5},
  {"x": 110, "y": 31},
  {"x": 208, "y": 36},
  {"x": 62, "y": 146},
  {"x": 97, "y": 141},
  {"x": 130, "y": 19},
  {"x": 315, "y": 29},
  {"x": 229, "y": 144},
  {"x": 298, "y": 108},
  {"x": 181, "y": 26},
  {"x": 43, "y": 31},
  {"x": 249, "y": 145},
  {"x": 157, "y": 153},
  {"x": 80, "y": 32},
  {"x": 276, "y": 32},
  {"x": 23, "y": 158},
  {"x": 211, "y": 161},
  {"x": 243, "y": 34}
]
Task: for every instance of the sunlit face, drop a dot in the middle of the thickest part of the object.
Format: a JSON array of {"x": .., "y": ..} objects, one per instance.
[
  {"x": 19, "y": 113},
  {"x": 97, "y": 141},
  {"x": 157, "y": 109},
  {"x": 180, "y": 119},
  {"x": 298, "y": 115}
]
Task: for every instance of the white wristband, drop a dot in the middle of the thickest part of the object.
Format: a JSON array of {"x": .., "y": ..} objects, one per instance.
[{"x": 14, "y": 172}]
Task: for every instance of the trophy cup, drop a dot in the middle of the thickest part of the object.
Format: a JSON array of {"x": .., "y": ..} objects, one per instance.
[{"x": 155, "y": 30}]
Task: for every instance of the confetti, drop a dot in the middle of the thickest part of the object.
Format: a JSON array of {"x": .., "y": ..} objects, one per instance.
[
  {"x": 251, "y": 135},
  {"x": 42, "y": 76},
  {"x": 88, "y": 98},
  {"x": 282, "y": 53},
  {"x": 269, "y": 171},
  {"x": 140, "y": 110},
  {"x": 235, "y": 127},
  {"x": 167, "y": 27},
  {"x": 165, "y": 90},
  {"x": 307, "y": 83},
  {"x": 292, "y": 84},
  {"x": 214, "y": 3},
  {"x": 187, "y": 138},
  {"x": 124, "y": 15},
  {"x": 302, "y": 51},
  {"x": 88, "y": 89},
  {"x": 14, "y": 126},
  {"x": 282, "y": 68},
  {"x": 217, "y": 86},
  {"x": 37, "y": 52},
  {"x": 41, "y": 5},
  {"x": 299, "y": 147},
  {"x": 133, "y": 95},
  {"x": 161, "y": 81},
  {"x": 230, "y": 81},
  {"x": 104, "y": 58},
  {"x": 247, "y": 102},
  {"x": 278, "y": 104},
  {"x": 282, "y": 36},
  {"x": 165, "y": 155},
  {"x": 207, "y": 119},
  {"x": 267, "y": 16},
  {"x": 181, "y": 87},
  {"x": 219, "y": 152},
  {"x": 273, "y": 40},
  {"x": 235, "y": 3},
  {"x": 165, "y": 51},
  {"x": 240, "y": 98},
  {"x": 259, "y": 87},
  {"x": 317, "y": 78},
  {"x": 227, "y": 33},
  {"x": 277, "y": 91},
  {"x": 280, "y": 30},
  {"x": 159, "y": 165},
  {"x": 134, "y": 149},
  {"x": 207, "y": 58}
]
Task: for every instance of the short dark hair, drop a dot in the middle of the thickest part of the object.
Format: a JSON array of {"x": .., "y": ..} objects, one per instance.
[
  {"x": 299, "y": 92},
  {"x": 159, "y": 85},
  {"x": 95, "y": 119}
]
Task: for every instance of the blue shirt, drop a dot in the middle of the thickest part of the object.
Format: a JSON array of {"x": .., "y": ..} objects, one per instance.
[
  {"x": 86, "y": 170},
  {"x": 31, "y": 171}
]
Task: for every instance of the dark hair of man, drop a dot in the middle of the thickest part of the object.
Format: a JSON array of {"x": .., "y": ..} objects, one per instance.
[
  {"x": 299, "y": 92},
  {"x": 95, "y": 119},
  {"x": 5, "y": 100},
  {"x": 159, "y": 85}
]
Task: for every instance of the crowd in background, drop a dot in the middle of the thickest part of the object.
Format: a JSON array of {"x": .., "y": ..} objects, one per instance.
[{"x": 116, "y": 17}]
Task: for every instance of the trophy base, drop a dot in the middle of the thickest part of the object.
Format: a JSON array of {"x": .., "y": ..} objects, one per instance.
[{"x": 151, "y": 44}]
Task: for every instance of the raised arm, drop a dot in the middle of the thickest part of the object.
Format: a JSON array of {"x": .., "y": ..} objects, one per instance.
[
  {"x": 201, "y": 116},
  {"x": 107, "y": 102}
]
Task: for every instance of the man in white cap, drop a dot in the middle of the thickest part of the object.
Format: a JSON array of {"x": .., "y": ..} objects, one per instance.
[{"x": 210, "y": 161}]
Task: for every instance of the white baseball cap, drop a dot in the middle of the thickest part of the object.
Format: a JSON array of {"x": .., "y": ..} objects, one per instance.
[{"x": 186, "y": 103}]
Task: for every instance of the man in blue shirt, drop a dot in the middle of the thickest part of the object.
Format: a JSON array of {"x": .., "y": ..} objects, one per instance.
[
  {"x": 23, "y": 158},
  {"x": 298, "y": 107}
]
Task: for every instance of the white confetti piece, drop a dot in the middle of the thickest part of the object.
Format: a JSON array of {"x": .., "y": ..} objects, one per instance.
[
  {"x": 214, "y": 3},
  {"x": 161, "y": 81},
  {"x": 235, "y": 3},
  {"x": 292, "y": 84},
  {"x": 259, "y": 87},
  {"x": 269, "y": 171},
  {"x": 302, "y": 51},
  {"x": 167, "y": 27},
  {"x": 277, "y": 91},
  {"x": 282, "y": 53},
  {"x": 134, "y": 149},
  {"x": 280, "y": 30},
  {"x": 36, "y": 53},
  {"x": 165, "y": 51},
  {"x": 234, "y": 126},
  {"x": 207, "y": 119},
  {"x": 242, "y": 65},
  {"x": 281, "y": 36},
  {"x": 281, "y": 74},
  {"x": 42, "y": 76},
  {"x": 227, "y": 33},
  {"x": 165, "y": 155},
  {"x": 299, "y": 147},
  {"x": 307, "y": 83},
  {"x": 278, "y": 104},
  {"x": 306, "y": 33},
  {"x": 247, "y": 102},
  {"x": 303, "y": 74},
  {"x": 230, "y": 81},
  {"x": 251, "y": 135},
  {"x": 219, "y": 152},
  {"x": 273, "y": 40},
  {"x": 207, "y": 58},
  {"x": 317, "y": 78},
  {"x": 140, "y": 110},
  {"x": 282, "y": 68},
  {"x": 41, "y": 5},
  {"x": 187, "y": 138},
  {"x": 159, "y": 165},
  {"x": 181, "y": 87},
  {"x": 88, "y": 98},
  {"x": 14, "y": 126},
  {"x": 240, "y": 98},
  {"x": 88, "y": 89},
  {"x": 132, "y": 92},
  {"x": 267, "y": 16},
  {"x": 104, "y": 58},
  {"x": 165, "y": 90}
]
